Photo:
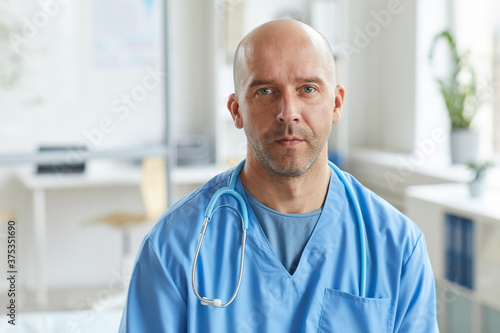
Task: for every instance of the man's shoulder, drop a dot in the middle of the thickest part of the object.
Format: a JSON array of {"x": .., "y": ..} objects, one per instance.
[
  {"x": 384, "y": 222},
  {"x": 380, "y": 214},
  {"x": 202, "y": 194},
  {"x": 188, "y": 211}
]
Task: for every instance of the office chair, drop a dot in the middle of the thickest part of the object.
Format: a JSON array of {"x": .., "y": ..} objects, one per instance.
[{"x": 7, "y": 215}]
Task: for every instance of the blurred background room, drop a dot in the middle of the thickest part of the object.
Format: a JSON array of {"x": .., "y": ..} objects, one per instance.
[{"x": 110, "y": 111}]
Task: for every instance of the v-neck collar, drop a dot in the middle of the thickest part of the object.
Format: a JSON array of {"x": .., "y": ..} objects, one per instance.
[{"x": 260, "y": 250}]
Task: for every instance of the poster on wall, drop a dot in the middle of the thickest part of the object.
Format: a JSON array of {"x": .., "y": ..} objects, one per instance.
[{"x": 126, "y": 33}]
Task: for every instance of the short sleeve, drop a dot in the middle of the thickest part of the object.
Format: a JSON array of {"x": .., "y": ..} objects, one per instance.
[
  {"x": 416, "y": 309},
  {"x": 154, "y": 304}
]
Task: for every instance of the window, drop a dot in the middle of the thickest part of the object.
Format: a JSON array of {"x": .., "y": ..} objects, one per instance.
[
  {"x": 477, "y": 27},
  {"x": 496, "y": 79}
]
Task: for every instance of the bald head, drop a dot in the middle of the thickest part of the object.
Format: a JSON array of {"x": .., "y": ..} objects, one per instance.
[{"x": 287, "y": 36}]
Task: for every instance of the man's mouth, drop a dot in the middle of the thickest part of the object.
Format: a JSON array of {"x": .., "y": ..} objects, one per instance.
[{"x": 290, "y": 141}]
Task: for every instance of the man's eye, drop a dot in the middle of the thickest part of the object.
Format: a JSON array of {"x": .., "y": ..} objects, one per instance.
[
  {"x": 309, "y": 89},
  {"x": 264, "y": 91}
]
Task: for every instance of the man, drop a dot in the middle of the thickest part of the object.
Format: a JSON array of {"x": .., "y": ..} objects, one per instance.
[{"x": 302, "y": 255}]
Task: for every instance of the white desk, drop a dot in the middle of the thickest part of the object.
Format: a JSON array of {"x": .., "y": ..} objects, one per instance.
[{"x": 97, "y": 174}]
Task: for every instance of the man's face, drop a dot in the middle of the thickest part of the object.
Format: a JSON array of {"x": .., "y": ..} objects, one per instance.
[{"x": 286, "y": 105}]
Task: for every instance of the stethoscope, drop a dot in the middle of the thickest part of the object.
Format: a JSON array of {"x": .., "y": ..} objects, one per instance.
[{"x": 230, "y": 190}]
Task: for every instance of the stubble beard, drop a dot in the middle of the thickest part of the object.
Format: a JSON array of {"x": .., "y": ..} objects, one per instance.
[{"x": 282, "y": 162}]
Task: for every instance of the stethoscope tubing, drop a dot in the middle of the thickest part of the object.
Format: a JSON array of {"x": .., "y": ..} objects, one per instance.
[
  {"x": 230, "y": 190},
  {"x": 217, "y": 302},
  {"x": 361, "y": 229}
]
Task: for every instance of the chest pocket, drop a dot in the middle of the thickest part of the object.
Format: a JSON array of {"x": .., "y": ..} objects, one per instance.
[{"x": 343, "y": 312}]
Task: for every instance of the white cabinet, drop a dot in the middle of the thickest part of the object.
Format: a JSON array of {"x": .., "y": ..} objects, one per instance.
[{"x": 462, "y": 309}]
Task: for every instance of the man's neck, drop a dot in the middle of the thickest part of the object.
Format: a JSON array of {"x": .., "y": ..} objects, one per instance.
[{"x": 290, "y": 195}]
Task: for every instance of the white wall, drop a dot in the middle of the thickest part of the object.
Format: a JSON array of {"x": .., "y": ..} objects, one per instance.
[
  {"x": 380, "y": 46},
  {"x": 75, "y": 94},
  {"x": 191, "y": 67}
]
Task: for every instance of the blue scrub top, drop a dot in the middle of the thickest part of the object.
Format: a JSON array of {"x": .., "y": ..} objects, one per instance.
[{"x": 321, "y": 295}]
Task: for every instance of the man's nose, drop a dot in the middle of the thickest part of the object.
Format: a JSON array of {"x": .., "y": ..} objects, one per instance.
[{"x": 289, "y": 110}]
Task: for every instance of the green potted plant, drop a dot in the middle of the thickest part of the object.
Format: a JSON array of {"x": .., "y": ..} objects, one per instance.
[
  {"x": 462, "y": 97},
  {"x": 476, "y": 185}
]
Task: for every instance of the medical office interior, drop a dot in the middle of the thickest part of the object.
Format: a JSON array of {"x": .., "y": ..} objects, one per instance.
[{"x": 110, "y": 111}]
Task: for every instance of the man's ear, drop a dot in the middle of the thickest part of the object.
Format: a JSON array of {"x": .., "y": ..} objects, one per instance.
[
  {"x": 339, "y": 101},
  {"x": 234, "y": 109}
]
